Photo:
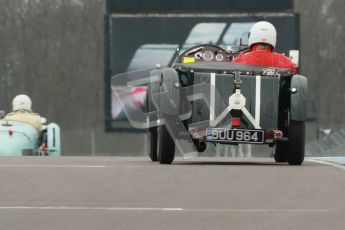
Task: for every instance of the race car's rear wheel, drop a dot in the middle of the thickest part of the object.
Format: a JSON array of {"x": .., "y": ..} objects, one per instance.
[
  {"x": 166, "y": 146},
  {"x": 281, "y": 153},
  {"x": 153, "y": 143},
  {"x": 296, "y": 142}
]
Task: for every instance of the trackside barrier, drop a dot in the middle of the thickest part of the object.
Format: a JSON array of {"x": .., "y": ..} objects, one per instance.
[{"x": 327, "y": 144}]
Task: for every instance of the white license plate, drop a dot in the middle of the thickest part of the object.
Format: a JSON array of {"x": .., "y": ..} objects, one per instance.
[{"x": 234, "y": 135}]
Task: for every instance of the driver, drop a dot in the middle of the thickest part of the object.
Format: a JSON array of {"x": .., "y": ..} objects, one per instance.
[
  {"x": 262, "y": 41},
  {"x": 21, "y": 106}
]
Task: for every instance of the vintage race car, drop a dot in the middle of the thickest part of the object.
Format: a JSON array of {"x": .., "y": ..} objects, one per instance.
[
  {"x": 204, "y": 98},
  {"x": 21, "y": 139}
]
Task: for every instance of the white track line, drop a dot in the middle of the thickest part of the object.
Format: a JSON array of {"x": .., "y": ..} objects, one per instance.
[
  {"x": 161, "y": 209},
  {"x": 339, "y": 166},
  {"x": 58, "y": 166}
]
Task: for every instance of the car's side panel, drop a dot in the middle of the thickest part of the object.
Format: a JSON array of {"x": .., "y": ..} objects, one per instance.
[{"x": 17, "y": 138}]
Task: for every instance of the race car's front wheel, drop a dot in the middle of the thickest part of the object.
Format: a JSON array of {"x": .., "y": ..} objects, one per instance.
[
  {"x": 153, "y": 143},
  {"x": 166, "y": 146},
  {"x": 296, "y": 142}
]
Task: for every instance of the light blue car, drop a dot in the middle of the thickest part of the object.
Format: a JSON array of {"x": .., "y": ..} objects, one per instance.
[{"x": 21, "y": 139}]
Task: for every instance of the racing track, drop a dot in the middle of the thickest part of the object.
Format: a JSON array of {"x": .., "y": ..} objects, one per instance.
[{"x": 82, "y": 193}]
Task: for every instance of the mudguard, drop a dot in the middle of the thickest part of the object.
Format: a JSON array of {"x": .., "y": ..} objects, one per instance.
[
  {"x": 17, "y": 139},
  {"x": 169, "y": 104},
  {"x": 53, "y": 140},
  {"x": 299, "y": 99}
]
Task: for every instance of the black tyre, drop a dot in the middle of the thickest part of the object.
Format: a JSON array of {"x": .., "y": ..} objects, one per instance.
[
  {"x": 166, "y": 146},
  {"x": 296, "y": 142},
  {"x": 281, "y": 152},
  {"x": 153, "y": 143}
]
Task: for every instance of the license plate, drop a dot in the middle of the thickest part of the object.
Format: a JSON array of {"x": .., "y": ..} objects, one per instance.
[{"x": 234, "y": 135}]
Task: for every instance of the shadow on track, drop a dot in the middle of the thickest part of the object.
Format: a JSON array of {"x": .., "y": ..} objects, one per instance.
[{"x": 229, "y": 163}]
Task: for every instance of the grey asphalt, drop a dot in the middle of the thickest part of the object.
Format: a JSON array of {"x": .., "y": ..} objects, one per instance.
[{"x": 82, "y": 193}]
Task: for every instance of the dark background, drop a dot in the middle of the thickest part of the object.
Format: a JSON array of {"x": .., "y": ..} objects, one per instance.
[
  {"x": 197, "y": 6},
  {"x": 125, "y": 33}
]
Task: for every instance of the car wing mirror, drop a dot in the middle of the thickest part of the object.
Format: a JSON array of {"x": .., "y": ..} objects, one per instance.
[
  {"x": 244, "y": 39},
  {"x": 2, "y": 114},
  {"x": 43, "y": 120},
  {"x": 294, "y": 56}
]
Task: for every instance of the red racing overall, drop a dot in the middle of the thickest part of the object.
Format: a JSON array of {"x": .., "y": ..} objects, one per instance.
[{"x": 262, "y": 54}]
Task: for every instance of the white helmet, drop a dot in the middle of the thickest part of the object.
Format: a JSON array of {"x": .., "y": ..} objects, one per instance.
[
  {"x": 263, "y": 32},
  {"x": 21, "y": 102}
]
